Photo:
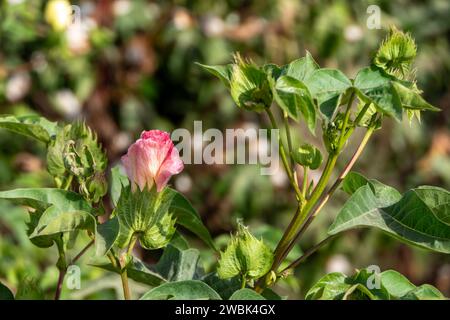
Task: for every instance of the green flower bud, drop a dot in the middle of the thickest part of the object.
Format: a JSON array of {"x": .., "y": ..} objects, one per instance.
[
  {"x": 97, "y": 186},
  {"x": 308, "y": 156},
  {"x": 331, "y": 134},
  {"x": 145, "y": 214},
  {"x": 396, "y": 54},
  {"x": 249, "y": 86},
  {"x": 245, "y": 255}
]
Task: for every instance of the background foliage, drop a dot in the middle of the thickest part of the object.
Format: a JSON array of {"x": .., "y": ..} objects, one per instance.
[{"x": 131, "y": 67}]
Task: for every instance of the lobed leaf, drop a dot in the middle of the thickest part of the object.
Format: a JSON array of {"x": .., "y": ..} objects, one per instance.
[
  {"x": 31, "y": 126},
  {"x": 376, "y": 86},
  {"x": 186, "y": 216},
  {"x": 223, "y": 72},
  {"x": 178, "y": 265},
  {"x": 367, "y": 284},
  {"x": 294, "y": 98},
  {"x": 136, "y": 270},
  {"x": 246, "y": 294},
  {"x": 420, "y": 217},
  {"x": 327, "y": 86},
  {"x": 182, "y": 290}
]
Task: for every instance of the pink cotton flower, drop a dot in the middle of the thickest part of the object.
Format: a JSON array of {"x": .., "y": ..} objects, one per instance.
[{"x": 152, "y": 159}]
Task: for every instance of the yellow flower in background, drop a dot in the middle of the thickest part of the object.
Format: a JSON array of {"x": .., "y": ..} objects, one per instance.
[{"x": 58, "y": 13}]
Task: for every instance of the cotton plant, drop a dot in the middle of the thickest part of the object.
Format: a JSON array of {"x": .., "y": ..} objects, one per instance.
[{"x": 147, "y": 212}]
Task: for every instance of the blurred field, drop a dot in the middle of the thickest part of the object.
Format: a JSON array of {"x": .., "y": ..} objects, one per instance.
[{"x": 130, "y": 66}]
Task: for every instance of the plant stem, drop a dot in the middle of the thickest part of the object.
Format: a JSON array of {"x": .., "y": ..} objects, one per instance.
[
  {"x": 68, "y": 182},
  {"x": 290, "y": 234},
  {"x": 288, "y": 138},
  {"x": 126, "y": 288},
  {"x": 62, "y": 267},
  {"x": 305, "y": 181},
  {"x": 338, "y": 181},
  {"x": 282, "y": 152},
  {"x": 62, "y": 274},
  {"x": 287, "y": 241},
  {"x": 124, "y": 265},
  {"x": 307, "y": 253},
  {"x": 243, "y": 281}
]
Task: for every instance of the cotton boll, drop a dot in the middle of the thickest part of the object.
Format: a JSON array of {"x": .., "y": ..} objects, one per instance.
[{"x": 18, "y": 86}]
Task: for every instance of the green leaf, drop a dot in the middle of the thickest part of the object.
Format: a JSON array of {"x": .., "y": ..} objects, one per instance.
[
  {"x": 188, "y": 217},
  {"x": 302, "y": 68},
  {"x": 182, "y": 290},
  {"x": 35, "y": 216},
  {"x": 386, "y": 194},
  {"x": 411, "y": 99},
  {"x": 31, "y": 126},
  {"x": 367, "y": 284},
  {"x": 223, "y": 72},
  {"x": 330, "y": 287},
  {"x": 424, "y": 292},
  {"x": 396, "y": 284},
  {"x": 178, "y": 265},
  {"x": 272, "y": 70},
  {"x": 5, "y": 293},
  {"x": 65, "y": 201},
  {"x": 375, "y": 86},
  {"x": 225, "y": 287},
  {"x": 118, "y": 180},
  {"x": 327, "y": 86},
  {"x": 179, "y": 242},
  {"x": 54, "y": 221},
  {"x": 363, "y": 278},
  {"x": 136, "y": 270},
  {"x": 246, "y": 294},
  {"x": 106, "y": 235},
  {"x": 420, "y": 217},
  {"x": 399, "y": 287},
  {"x": 308, "y": 156},
  {"x": 145, "y": 214},
  {"x": 294, "y": 98}
]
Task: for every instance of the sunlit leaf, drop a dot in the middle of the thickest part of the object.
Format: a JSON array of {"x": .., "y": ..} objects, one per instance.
[{"x": 182, "y": 290}]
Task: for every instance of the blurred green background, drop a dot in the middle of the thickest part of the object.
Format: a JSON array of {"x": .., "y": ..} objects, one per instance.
[{"x": 129, "y": 66}]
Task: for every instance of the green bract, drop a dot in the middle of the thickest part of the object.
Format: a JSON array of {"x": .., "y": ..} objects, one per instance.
[
  {"x": 308, "y": 156},
  {"x": 396, "y": 54},
  {"x": 76, "y": 152},
  {"x": 145, "y": 215},
  {"x": 248, "y": 83},
  {"x": 249, "y": 86},
  {"x": 245, "y": 255}
]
